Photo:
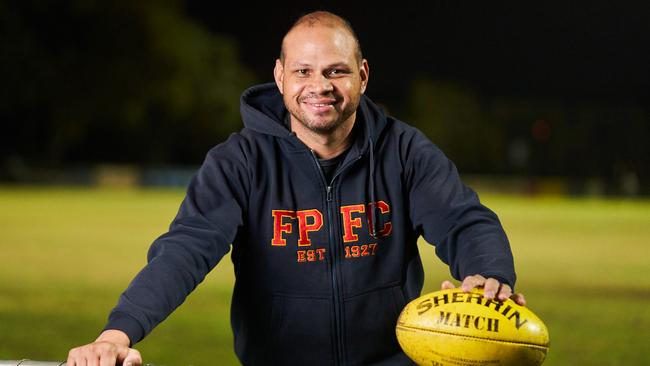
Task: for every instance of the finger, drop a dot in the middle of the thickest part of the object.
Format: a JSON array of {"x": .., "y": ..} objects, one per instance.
[
  {"x": 133, "y": 358},
  {"x": 447, "y": 285},
  {"x": 471, "y": 282},
  {"x": 519, "y": 299},
  {"x": 122, "y": 354},
  {"x": 490, "y": 288},
  {"x": 102, "y": 354},
  {"x": 73, "y": 357},
  {"x": 109, "y": 359},
  {"x": 505, "y": 291}
]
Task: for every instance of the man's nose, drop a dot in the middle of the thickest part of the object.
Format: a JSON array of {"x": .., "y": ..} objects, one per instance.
[{"x": 321, "y": 84}]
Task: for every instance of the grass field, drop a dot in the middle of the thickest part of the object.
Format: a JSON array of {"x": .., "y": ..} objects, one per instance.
[{"x": 66, "y": 254}]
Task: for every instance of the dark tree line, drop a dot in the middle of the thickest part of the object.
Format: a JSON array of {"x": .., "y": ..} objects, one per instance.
[
  {"x": 113, "y": 81},
  {"x": 537, "y": 137},
  {"x": 142, "y": 82}
]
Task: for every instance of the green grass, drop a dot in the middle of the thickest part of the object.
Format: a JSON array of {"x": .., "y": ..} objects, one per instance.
[{"x": 66, "y": 254}]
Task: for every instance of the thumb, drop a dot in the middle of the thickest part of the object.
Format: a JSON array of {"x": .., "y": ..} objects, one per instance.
[{"x": 129, "y": 357}]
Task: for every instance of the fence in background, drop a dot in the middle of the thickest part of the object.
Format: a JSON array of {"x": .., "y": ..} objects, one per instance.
[{"x": 179, "y": 177}]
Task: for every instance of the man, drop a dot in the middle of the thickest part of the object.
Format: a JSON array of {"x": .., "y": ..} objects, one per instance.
[{"x": 323, "y": 198}]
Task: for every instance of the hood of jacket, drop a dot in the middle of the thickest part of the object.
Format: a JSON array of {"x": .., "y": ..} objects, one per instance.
[{"x": 263, "y": 110}]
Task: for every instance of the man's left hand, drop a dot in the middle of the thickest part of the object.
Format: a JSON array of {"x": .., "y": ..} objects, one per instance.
[{"x": 492, "y": 288}]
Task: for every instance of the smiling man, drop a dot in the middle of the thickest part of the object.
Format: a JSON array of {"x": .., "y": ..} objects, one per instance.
[
  {"x": 322, "y": 198},
  {"x": 322, "y": 75}
]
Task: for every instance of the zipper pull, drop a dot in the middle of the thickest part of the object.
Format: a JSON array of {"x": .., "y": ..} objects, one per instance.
[{"x": 329, "y": 193}]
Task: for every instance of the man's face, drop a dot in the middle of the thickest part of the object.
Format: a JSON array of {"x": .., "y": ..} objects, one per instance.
[{"x": 321, "y": 80}]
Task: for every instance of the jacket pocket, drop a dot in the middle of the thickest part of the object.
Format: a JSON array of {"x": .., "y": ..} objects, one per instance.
[
  {"x": 370, "y": 320},
  {"x": 301, "y": 331}
]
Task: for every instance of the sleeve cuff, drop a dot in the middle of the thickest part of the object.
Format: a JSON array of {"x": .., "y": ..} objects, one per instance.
[{"x": 126, "y": 324}]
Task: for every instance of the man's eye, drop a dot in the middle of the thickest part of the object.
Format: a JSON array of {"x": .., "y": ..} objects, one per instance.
[
  {"x": 302, "y": 72},
  {"x": 337, "y": 72}
]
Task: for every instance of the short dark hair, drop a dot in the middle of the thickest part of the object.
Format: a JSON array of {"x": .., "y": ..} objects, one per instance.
[{"x": 329, "y": 19}]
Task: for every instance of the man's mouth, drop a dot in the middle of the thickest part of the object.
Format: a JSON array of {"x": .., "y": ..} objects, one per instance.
[{"x": 320, "y": 106}]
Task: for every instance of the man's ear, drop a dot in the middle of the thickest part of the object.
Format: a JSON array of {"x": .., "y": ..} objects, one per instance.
[
  {"x": 364, "y": 73},
  {"x": 278, "y": 74}
]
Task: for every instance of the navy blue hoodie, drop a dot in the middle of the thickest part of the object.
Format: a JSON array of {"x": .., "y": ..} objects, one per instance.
[{"x": 322, "y": 268}]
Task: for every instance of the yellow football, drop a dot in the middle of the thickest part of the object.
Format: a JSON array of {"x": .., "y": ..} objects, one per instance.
[{"x": 451, "y": 327}]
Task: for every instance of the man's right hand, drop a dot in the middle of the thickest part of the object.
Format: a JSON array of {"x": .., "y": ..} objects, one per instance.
[{"x": 111, "y": 348}]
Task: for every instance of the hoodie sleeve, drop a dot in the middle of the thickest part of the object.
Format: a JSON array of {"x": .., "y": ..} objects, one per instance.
[
  {"x": 200, "y": 235},
  {"x": 467, "y": 235}
]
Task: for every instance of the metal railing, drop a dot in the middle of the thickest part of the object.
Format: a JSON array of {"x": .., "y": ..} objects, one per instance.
[
  {"x": 30, "y": 363},
  {"x": 38, "y": 363}
]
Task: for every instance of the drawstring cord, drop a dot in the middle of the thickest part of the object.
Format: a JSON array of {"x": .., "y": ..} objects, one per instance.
[{"x": 373, "y": 204}]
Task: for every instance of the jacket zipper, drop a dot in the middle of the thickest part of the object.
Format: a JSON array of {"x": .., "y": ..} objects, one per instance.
[
  {"x": 340, "y": 344},
  {"x": 335, "y": 281}
]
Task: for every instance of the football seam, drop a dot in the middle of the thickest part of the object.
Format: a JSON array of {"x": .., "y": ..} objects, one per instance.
[{"x": 474, "y": 337}]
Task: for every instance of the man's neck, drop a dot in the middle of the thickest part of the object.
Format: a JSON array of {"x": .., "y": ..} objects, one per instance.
[{"x": 325, "y": 145}]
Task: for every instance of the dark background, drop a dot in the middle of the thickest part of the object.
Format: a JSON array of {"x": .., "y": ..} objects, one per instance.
[
  {"x": 544, "y": 90},
  {"x": 595, "y": 49}
]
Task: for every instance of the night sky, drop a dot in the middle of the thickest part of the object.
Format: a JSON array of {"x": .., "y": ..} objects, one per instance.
[{"x": 590, "y": 50}]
